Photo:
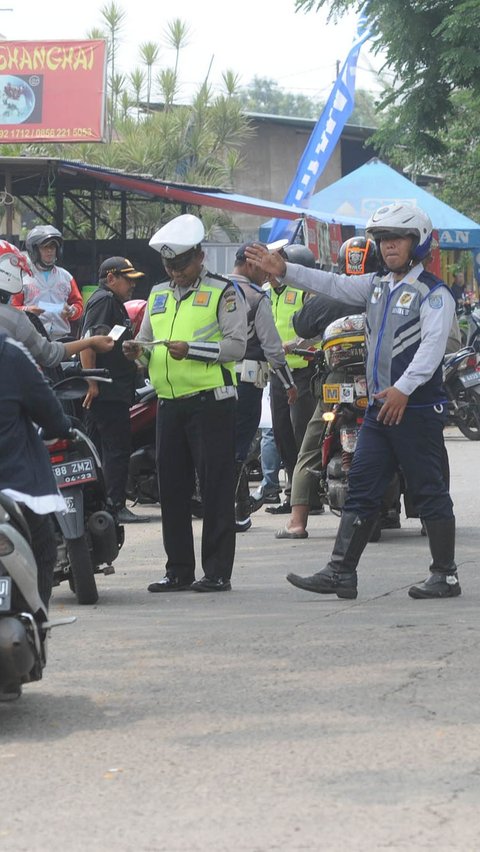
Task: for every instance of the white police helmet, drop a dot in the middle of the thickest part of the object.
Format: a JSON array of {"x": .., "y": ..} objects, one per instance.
[{"x": 179, "y": 236}]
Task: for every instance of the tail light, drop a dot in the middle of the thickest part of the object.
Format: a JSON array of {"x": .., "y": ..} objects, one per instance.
[
  {"x": 61, "y": 444},
  {"x": 55, "y": 450},
  {"x": 472, "y": 362}
]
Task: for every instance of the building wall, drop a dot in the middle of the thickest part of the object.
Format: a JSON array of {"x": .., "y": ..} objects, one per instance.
[{"x": 271, "y": 156}]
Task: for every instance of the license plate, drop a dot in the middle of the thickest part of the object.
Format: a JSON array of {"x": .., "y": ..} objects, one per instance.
[
  {"x": 5, "y": 594},
  {"x": 469, "y": 380},
  {"x": 71, "y": 472}
]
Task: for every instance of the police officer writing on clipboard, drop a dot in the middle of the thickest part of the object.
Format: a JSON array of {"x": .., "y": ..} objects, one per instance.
[
  {"x": 193, "y": 332},
  {"x": 409, "y": 314}
]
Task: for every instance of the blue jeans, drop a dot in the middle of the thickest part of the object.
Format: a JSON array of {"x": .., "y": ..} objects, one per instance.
[{"x": 271, "y": 462}]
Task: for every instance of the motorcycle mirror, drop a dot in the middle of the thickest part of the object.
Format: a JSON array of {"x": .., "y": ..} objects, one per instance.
[{"x": 74, "y": 388}]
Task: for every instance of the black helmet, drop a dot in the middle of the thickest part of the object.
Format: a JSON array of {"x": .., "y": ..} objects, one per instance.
[
  {"x": 357, "y": 256},
  {"x": 38, "y": 236},
  {"x": 297, "y": 253}
]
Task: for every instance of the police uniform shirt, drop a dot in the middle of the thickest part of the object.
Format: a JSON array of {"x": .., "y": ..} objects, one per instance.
[
  {"x": 232, "y": 322},
  {"x": 435, "y": 323}
]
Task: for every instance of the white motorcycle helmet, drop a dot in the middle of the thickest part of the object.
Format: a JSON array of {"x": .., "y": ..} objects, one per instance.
[
  {"x": 12, "y": 264},
  {"x": 402, "y": 220}
]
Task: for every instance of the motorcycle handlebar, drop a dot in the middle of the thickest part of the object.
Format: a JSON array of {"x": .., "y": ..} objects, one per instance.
[
  {"x": 309, "y": 354},
  {"x": 71, "y": 370}
]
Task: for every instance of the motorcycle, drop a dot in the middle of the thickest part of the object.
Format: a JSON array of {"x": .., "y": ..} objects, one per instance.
[
  {"x": 88, "y": 534},
  {"x": 24, "y": 624},
  {"x": 469, "y": 321},
  {"x": 461, "y": 379},
  {"x": 142, "y": 485}
]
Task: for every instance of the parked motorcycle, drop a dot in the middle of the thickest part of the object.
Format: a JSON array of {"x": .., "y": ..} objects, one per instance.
[
  {"x": 461, "y": 378},
  {"x": 24, "y": 624},
  {"x": 142, "y": 485},
  {"x": 88, "y": 534}
]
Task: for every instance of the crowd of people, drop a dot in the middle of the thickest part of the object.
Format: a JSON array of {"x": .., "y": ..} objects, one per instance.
[{"x": 210, "y": 344}]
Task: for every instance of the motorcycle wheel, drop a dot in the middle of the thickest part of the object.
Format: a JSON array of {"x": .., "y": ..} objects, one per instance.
[
  {"x": 470, "y": 426},
  {"x": 82, "y": 570}
]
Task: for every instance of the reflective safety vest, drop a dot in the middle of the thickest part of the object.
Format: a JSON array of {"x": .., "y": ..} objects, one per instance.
[
  {"x": 193, "y": 318},
  {"x": 285, "y": 304}
]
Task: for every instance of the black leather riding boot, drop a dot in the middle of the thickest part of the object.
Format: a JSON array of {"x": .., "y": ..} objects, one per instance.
[
  {"x": 340, "y": 576},
  {"x": 443, "y": 580},
  {"x": 242, "y": 499}
]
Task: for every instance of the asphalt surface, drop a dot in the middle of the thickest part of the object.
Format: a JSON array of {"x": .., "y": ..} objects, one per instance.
[{"x": 262, "y": 719}]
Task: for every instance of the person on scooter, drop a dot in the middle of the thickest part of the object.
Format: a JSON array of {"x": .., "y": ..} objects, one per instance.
[
  {"x": 47, "y": 353},
  {"x": 409, "y": 314},
  {"x": 50, "y": 291},
  {"x": 26, "y": 474},
  {"x": 195, "y": 330}
]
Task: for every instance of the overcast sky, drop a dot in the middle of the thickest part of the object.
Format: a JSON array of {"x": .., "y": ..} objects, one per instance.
[{"x": 263, "y": 38}]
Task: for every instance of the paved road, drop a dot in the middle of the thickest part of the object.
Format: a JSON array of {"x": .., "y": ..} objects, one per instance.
[{"x": 258, "y": 720}]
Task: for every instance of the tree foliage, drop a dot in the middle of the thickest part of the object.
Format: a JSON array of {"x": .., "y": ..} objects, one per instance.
[
  {"x": 432, "y": 48},
  {"x": 265, "y": 96},
  {"x": 458, "y": 163}
]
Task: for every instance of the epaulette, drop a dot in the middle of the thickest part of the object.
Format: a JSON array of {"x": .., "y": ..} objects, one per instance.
[
  {"x": 230, "y": 281},
  {"x": 219, "y": 277}
]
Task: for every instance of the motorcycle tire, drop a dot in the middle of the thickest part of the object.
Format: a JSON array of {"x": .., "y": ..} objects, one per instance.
[
  {"x": 82, "y": 570},
  {"x": 470, "y": 426}
]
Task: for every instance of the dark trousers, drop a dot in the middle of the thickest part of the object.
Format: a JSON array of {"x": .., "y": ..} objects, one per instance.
[
  {"x": 108, "y": 425},
  {"x": 417, "y": 446},
  {"x": 290, "y": 421},
  {"x": 248, "y": 414},
  {"x": 44, "y": 549},
  {"x": 197, "y": 433}
]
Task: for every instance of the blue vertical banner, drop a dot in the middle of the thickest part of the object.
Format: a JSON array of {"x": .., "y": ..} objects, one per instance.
[{"x": 325, "y": 134}]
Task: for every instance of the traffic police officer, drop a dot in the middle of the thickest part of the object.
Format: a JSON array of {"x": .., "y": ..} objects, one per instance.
[
  {"x": 409, "y": 314},
  {"x": 290, "y": 421},
  {"x": 264, "y": 347},
  {"x": 194, "y": 331}
]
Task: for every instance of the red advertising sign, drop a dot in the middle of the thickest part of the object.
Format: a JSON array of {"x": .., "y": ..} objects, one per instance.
[{"x": 52, "y": 91}]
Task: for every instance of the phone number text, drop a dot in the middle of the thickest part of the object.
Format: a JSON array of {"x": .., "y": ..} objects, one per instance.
[{"x": 19, "y": 133}]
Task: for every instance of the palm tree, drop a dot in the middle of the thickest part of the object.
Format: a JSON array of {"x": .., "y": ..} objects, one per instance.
[
  {"x": 114, "y": 18},
  {"x": 149, "y": 53},
  {"x": 176, "y": 36},
  {"x": 137, "y": 82}
]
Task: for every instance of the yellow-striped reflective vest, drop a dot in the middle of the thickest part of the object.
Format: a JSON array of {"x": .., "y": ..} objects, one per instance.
[{"x": 193, "y": 318}]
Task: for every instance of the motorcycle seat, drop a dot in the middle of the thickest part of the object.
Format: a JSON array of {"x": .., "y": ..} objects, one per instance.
[{"x": 16, "y": 515}]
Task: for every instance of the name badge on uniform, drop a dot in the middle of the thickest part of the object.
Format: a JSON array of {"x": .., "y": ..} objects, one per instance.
[
  {"x": 201, "y": 298},
  {"x": 290, "y": 297},
  {"x": 405, "y": 300},
  {"x": 160, "y": 303},
  {"x": 376, "y": 293}
]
